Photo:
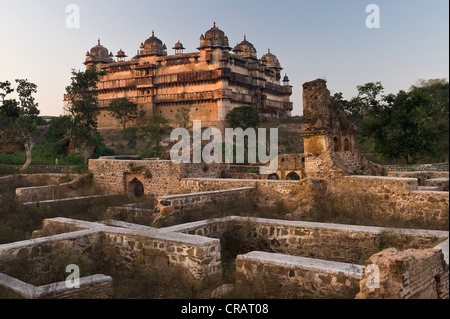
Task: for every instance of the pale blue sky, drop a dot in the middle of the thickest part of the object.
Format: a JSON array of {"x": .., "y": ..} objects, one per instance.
[{"x": 311, "y": 38}]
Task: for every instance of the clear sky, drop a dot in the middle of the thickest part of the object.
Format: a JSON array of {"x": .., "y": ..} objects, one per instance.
[{"x": 311, "y": 38}]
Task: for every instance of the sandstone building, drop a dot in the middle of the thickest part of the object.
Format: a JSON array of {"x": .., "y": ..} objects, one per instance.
[{"x": 209, "y": 82}]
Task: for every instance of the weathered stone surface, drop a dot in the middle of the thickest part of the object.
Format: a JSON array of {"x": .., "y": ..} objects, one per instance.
[{"x": 409, "y": 274}]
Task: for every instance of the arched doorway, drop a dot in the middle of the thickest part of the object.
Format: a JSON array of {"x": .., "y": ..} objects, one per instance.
[
  {"x": 293, "y": 176},
  {"x": 136, "y": 188},
  {"x": 274, "y": 177}
]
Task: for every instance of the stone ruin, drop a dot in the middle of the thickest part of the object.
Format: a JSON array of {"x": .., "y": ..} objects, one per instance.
[{"x": 273, "y": 258}]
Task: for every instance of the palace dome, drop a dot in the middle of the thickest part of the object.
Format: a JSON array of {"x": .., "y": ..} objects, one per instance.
[
  {"x": 245, "y": 49},
  {"x": 271, "y": 61},
  {"x": 99, "y": 54},
  {"x": 153, "y": 46},
  {"x": 214, "y": 37}
]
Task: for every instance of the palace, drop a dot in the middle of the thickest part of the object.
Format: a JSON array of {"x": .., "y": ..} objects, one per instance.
[{"x": 209, "y": 82}]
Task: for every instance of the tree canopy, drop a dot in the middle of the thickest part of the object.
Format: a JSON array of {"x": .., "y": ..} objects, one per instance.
[
  {"x": 410, "y": 125},
  {"x": 84, "y": 109},
  {"x": 23, "y": 113},
  {"x": 243, "y": 117}
]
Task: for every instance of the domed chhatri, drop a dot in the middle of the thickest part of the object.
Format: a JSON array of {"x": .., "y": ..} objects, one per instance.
[
  {"x": 245, "y": 50},
  {"x": 153, "y": 46},
  {"x": 178, "y": 48},
  {"x": 271, "y": 61},
  {"x": 214, "y": 38},
  {"x": 98, "y": 54},
  {"x": 121, "y": 56}
]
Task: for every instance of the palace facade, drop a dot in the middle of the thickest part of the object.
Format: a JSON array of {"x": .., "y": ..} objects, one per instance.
[{"x": 209, "y": 82}]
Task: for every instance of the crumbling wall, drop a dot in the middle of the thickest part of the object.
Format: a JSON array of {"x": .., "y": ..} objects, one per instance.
[
  {"x": 281, "y": 276},
  {"x": 173, "y": 204},
  {"x": 409, "y": 274},
  {"x": 398, "y": 198},
  {"x": 267, "y": 192}
]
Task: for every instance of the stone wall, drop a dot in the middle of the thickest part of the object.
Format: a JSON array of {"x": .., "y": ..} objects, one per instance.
[
  {"x": 422, "y": 176},
  {"x": 158, "y": 177},
  {"x": 440, "y": 183},
  {"x": 391, "y": 197},
  {"x": 410, "y": 274},
  {"x": 173, "y": 204},
  {"x": 343, "y": 243},
  {"x": 267, "y": 192},
  {"x": 36, "y": 254},
  {"x": 65, "y": 206},
  {"x": 96, "y": 287},
  {"x": 442, "y": 167},
  {"x": 281, "y": 276},
  {"x": 11, "y": 182},
  {"x": 40, "y": 193},
  {"x": 126, "y": 246}
]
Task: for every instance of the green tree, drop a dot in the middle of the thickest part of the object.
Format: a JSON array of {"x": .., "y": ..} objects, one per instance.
[
  {"x": 84, "y": 109},
  {"x": 243, "y": 117},
  {"x": 123, "y": 110},
  {"x": 369, "y": 97},
  {"x": 435, "y": 93},
  {"x": 23, "y": 113},
  {"x": 154, "y": 129},
  {"x": 412, "y": 125}
]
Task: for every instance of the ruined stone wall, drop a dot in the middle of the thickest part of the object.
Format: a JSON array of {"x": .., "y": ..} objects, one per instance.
[
  {"x": 281, "y": 277},
  {"x": 91, "y": 287},
  {"x": 391, "y": 197},
  {"x": 439, "y": 167},
  {"x": 11, "y": 182},
  {"x": 31, "y": 260},
  {"x": 173, "y": 204},
  {"x": 40, "y": 193},
  {"x": 422, "y": 176},
  {"x": 268, "y": 192},
  {"x": 158, "y": 177},
  {"x": 67, "y": 206},
  {"x": 196, "y": 258},
  {"x": 410, "y": 274},
  {"x": 342, "y": 243}
]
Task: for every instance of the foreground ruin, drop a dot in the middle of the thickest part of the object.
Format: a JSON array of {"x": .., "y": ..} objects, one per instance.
[{"x": 245, "y": 257}]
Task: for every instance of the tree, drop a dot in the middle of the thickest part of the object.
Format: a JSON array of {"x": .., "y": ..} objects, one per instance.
[
  {"x": 8, "y": 107},
  {"x": 154, "y": 129},
  {"x": 412, "y": 125},
  {"x": 243, "y": 117},
  {"x": 436, "y": 94},
  {"x": 369, "y": 97},
  {"x": 84, "y": 109},
  {"x": 123, "y": 110},
  {"x": 23, "y": 113}
]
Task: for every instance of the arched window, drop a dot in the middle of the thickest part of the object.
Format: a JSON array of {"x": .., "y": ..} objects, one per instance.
[
  {"x": 336, "y": 145},
  {"x": 347, "y": 145}
]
